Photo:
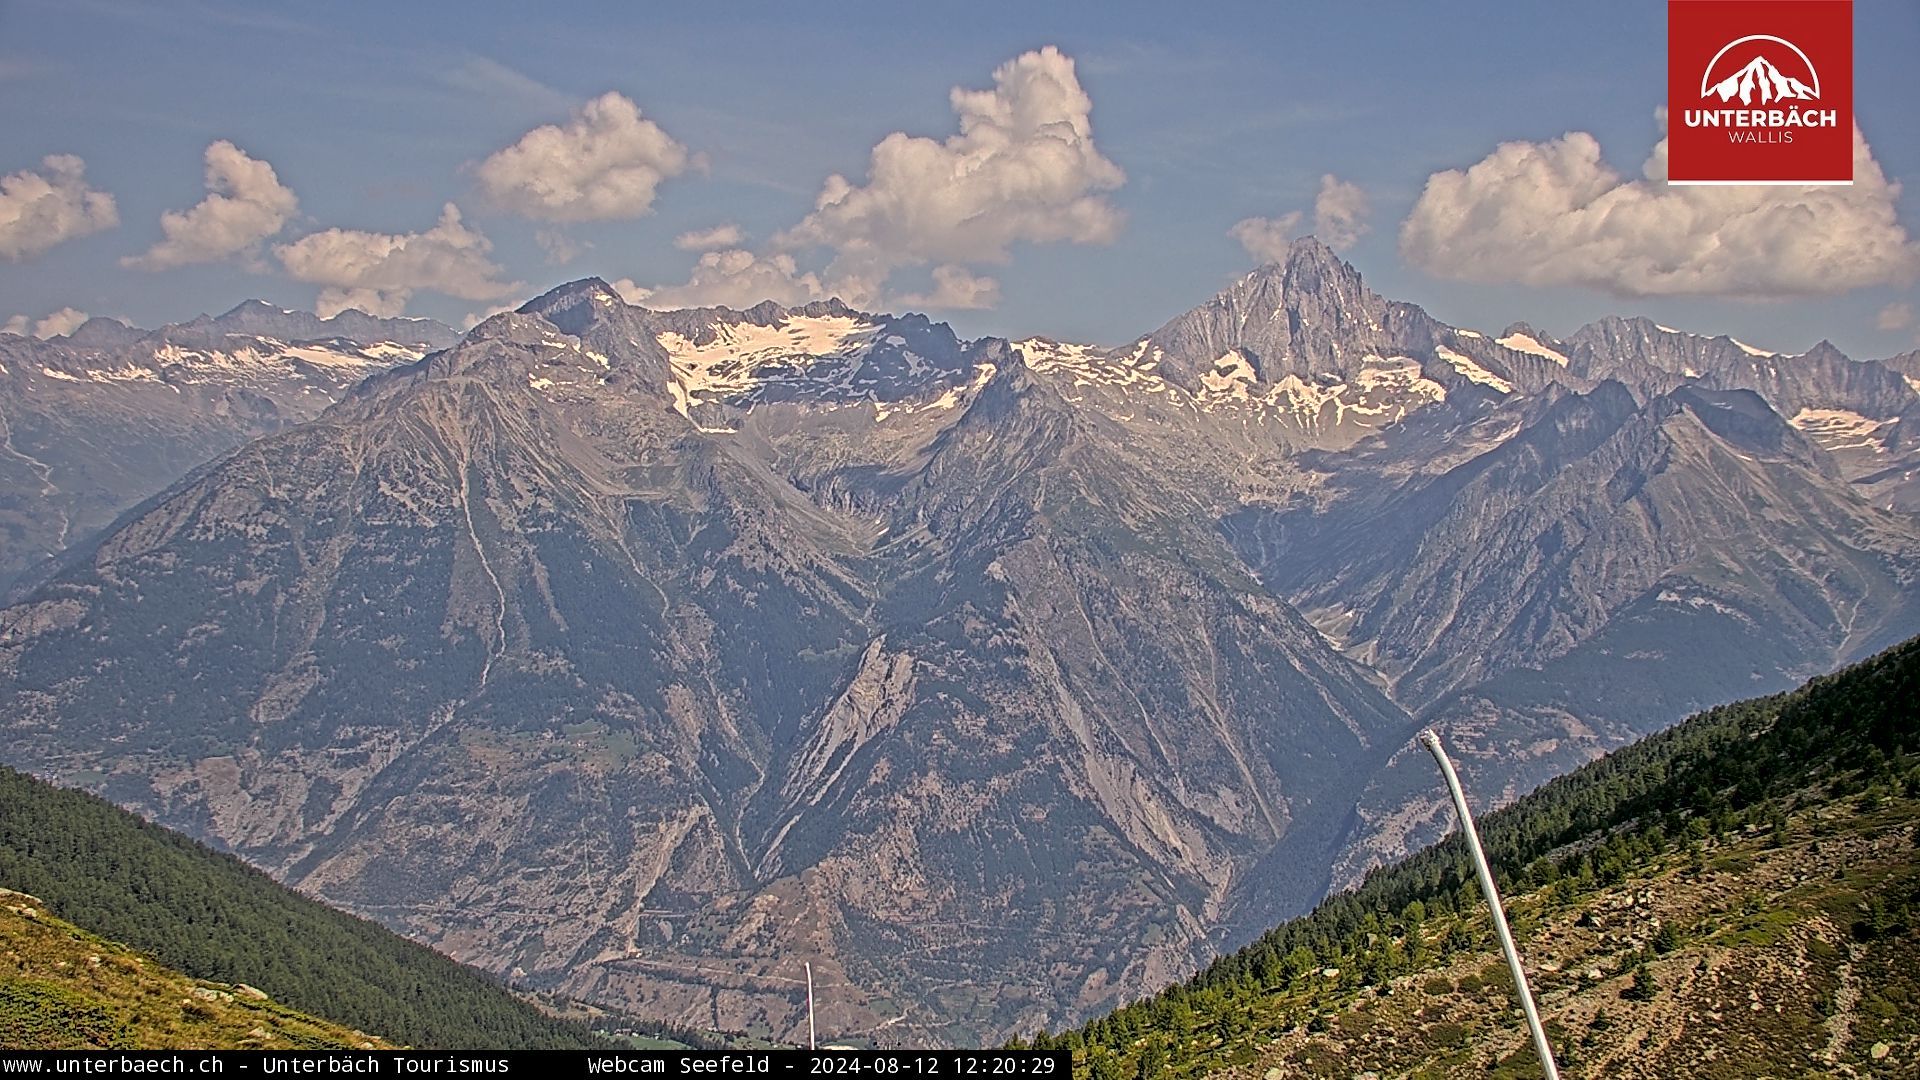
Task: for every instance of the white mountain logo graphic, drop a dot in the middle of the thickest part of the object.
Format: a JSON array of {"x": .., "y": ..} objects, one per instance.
[{"x": 1760, "y": 81}]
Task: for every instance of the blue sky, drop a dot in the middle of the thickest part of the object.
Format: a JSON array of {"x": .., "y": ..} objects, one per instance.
[{"x": 375, "y": 116}]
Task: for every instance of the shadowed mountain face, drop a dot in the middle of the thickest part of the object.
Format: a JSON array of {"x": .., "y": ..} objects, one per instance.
[
  {"x": 100, "y": 419},
  {"x": 644, "y": 655}
]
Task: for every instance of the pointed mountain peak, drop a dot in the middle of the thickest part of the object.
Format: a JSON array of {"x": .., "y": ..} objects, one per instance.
[
  {"x": 262, "y": 318},
  {"x": 1307, "y": 262},
  {"x": 561, "y": 297},
  {"x": 253, "y": 308},
  {"x": 1824, "y": 351},
  {"x": 1307, "y": 314},
  {"x": 1309, "y": 251},
  {"x": 1309, "y": 267},
  {"x": 575, "y": 306},
  {"x": 102, "y": 333}
]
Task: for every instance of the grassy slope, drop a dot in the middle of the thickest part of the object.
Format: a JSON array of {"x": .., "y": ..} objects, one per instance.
[
  {"x": 62, "y": 988},
  {"x": 214, "y": 918},
  {"x": 1762, "y": 854}
]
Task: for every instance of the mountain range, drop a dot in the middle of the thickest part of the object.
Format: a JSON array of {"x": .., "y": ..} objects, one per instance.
[
  {"x": 641, "y": 656},
  {"x": 95, "y": 421}
]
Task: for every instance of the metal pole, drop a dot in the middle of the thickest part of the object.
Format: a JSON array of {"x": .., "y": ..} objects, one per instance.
[
  {"x": 1431, "y": 739},
  {"x": 809, "y": 1004}
]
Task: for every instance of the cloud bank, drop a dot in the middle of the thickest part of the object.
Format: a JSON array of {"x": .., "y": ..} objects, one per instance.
[
  {"x": 1340, "y": 213},
  {"x": 39, "y": 210},
  {"x": 955, "y": 288},
  {"x": 1267, "y": 238},
  {"x": 246, "y": 203},
  {"x": 604, "y": 164},
  {"x": 378, "y": 272},
  {"x": 720, "y": 236},
  {"x": 737, "y": 278},
  {"x": 1555, "y": 213},
  {"x": 64, "y": 321},
  {"x": 1022, "y": 168}
]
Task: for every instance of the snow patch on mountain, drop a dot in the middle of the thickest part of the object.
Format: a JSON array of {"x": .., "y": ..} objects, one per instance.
[
  {"x": 1473, "y": 371},
  {"x": 1231, "y": 375},
  {"x": 1091, "y": 365},
  {"x": 1526, "y": 343},
  {"x": 740, "y": 354},
  {"x": 1842, "y": 429},
  {"x": 798, "y": 335},
  {"x": 1385, "y": 391}
]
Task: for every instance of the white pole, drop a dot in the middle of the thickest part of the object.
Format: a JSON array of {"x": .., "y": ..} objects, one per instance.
[
  {"x": 1431, "y": 739},
  {"x": 809, "y": 1004}
]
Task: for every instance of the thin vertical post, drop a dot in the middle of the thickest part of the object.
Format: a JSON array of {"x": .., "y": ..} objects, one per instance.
[
  {"x": 809, "y": 1004},
  {"x": 1431, "y": 739}
]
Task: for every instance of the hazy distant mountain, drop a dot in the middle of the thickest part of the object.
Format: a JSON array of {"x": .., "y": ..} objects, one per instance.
[
  {"x": 257, "y": 318},
  {"x": 102, "y": 418},
  {"x": 644, "y": 655}
]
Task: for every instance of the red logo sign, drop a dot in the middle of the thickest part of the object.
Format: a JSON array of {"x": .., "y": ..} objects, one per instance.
[{"x": 1760, "y": 91}]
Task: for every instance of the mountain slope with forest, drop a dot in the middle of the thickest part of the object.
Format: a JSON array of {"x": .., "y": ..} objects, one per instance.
[
  {"x": 63, "y": 988},
  {"x": 213, "y": 918},
  {"x": 1735, "y": 896}
]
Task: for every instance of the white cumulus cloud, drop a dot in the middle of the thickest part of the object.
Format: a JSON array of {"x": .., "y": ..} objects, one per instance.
[
  {"x": 41, "y": 209},
  {"x": 560, "y": 248},
  {"x": 1555, "y": 213},
  {"x": 603, "y": 164},
  {"x": 64, "y": 321},
  {"x": 955, "y": 288},
  {"x": 630, "y": 291},
  {"x": 739, "y": 279},
  {"x": 720, "y": 236},
  {"x": 1267, "y": 238},
  {"x": 1340, "y": 213},
  {"x": 1895, "y": 316},
  {"x": 1023, "y": 167},
  {"x": 246, "y": 203},
  {"x": 379, "y": 272}
]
